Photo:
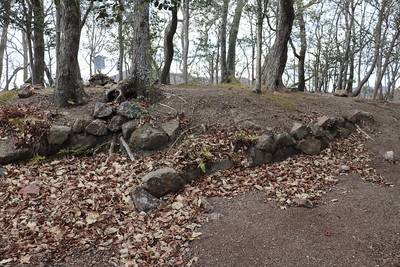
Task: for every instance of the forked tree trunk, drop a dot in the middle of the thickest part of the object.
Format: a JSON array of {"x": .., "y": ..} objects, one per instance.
[
  {"x": 276, "y": 60},
  {"x": 69, "y": 85}
]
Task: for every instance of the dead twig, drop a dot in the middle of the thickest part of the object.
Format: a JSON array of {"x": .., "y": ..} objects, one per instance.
[
  {"x": 128, "y": 150},
  {"x": 361, "y": 130}
]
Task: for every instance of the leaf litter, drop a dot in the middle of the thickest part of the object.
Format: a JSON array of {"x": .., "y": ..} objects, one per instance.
[{"x": 85, "y": 202}]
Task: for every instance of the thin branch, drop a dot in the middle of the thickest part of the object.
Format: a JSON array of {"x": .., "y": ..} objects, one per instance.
[
  {"x": 126, "y": 146},
  {"x": 361, "y": 130}
]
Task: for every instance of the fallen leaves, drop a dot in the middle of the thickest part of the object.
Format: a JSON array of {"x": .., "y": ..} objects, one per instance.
[
  {"x": 75, "y": 203},
  {"x": 30, "y": 189}
]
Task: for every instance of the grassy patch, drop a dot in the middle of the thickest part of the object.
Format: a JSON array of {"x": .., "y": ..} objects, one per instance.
[{"x": 7, "y": 97}]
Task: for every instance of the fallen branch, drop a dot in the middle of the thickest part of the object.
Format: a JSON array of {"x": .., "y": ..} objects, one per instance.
[
  {"x": 112, "y": 145},
  {"x": 169, "y": 107},
  {"x": 128, "y": 150},
  {"x": 176, "y": 96},
  {"x": 361, "y": 130}
]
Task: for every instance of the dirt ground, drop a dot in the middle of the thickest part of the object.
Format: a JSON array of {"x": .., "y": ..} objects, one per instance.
[{"x": 356, "y": 224}]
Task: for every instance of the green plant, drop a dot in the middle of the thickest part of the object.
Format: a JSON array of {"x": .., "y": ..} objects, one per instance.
[
  {"x": 36, "y": 158},
  {"x": 7, "y": 97},
  {"x": 77, "y": 150},
  {"x": 71, "y": 101}
]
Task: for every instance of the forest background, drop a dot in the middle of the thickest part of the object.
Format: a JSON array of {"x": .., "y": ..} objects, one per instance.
[{"x": 333, "y": 45}]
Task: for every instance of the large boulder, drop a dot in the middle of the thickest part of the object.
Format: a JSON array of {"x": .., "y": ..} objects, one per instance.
[
  {"x": 299, "y": 131},
  {"x": 163, "y": 181},
  {"x": 149, "y": 138},
  {"x": 97, "y": 127},
  {"x": 144, "y": 201},
  {"x": 131, "y": 110},
  {"x": 102, "y": 110},
  {"x": 171, "y": 128},
  {"x": 58, "y": 135},
  {"x": 310, "y": 146},
  {"x": 266, "y": 143},
  {"x": 8, "y": 152}
]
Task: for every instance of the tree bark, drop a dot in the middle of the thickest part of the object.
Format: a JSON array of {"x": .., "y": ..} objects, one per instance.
[
  {"x": 169, "y": 46},
  {"x": 224, "y": 22},
  {"x": 276, "y": 60},
  {"x": 69, "y": 85},
  {"x": 139, "y": 77},
  {"x": 233, "y": 34},
  {"x": 185, "y": 41},
  {"x": 261, "y": 5},
  {"x": 38, "y": 42},
  {"x": 4, "y": 32}
]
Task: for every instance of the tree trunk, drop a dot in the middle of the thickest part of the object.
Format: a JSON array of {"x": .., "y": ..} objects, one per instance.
[
  {"x": 38, "y": 42},
  {"x": 139, "y": 77},
  {"x": 185, "y": 40},
  {"x": 276, "y": 61},
  {"x": 4, "y": 32},
  {"x": 169, "y": 46},
  {"x": 233, "y": 33},
  {"x": 69, "y": 85},
  {"x": 121, "y": 46},
  {"x": 382, "y": 68},
  {"x": 224, "y": 22},
  {"x": 260, "y": 21},
  {"x": 303, "y": 49},
  {"x": 378, "y": 33}
]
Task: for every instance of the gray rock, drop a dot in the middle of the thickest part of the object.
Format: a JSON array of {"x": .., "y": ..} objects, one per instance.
[
  {"x": 250, "y": 125},
  {"x": 257, "y": 157},
  {"x": 284, "y": 152},
  {"x": 317, "y": 130},
  {"x": 324, "y": 121},
  {"x": 2, "y": 172},
  {"x": 91, "y": 141},
  {"x": 102, "y": 110},
  {"x": 26, "y": 91},
  {"x": 162, "y": 182},
  {"x": 283, "y": 140},
  {"x": 114, "y": 94},
  {"x": 310, "y": 146},
  {"x": 191, "y": 174},
  {"x": 128, "y": 128},
  {"x": 389, "y": 156},
  {"x": 116, "y": 123},
  {"x": 303, "y": 203},
  {"x": 58, "y": 134},
  {"x": 80, "y": 125},
  {"x": 299, "y": 131},
  {"x": 359, "y": 115},
  {"x": 220, "y": 165},
  {"x": 97, "y": 127},
  {"x": 266, "y": 143},
  {"x": 144, "y": 201},
  {"x": 8, "y": 152},
  {"x": 131, "y": 110},
  {"x": 171, "y": 128},
  {"x": 148, "y": 138}
]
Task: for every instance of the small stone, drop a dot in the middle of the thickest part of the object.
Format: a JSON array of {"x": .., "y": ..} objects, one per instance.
[
  {"x": 389, "y": 156},
  {"x": 344, "y": 168},
  {"x": 303, "y": 203}
]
